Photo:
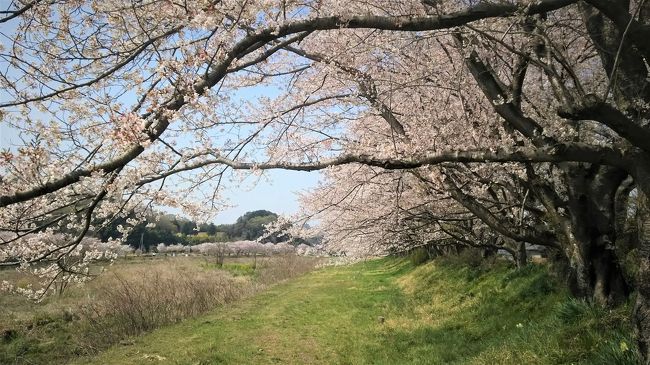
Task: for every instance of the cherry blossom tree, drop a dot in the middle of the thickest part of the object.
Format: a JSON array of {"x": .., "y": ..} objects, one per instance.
[{"x": 495, "y": 124}]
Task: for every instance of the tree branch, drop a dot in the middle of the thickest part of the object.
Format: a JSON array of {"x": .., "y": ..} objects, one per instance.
[
  {"x": 593, "y": 108},
  {"x": 243, "y": 47},
  {"x": 559, "y": 153}
]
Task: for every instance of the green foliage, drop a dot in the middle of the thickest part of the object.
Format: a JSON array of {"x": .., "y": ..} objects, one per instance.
[
  {"x": 165, "y": 231},
  {"x": 618, "y": 349},
  {"x": 210, "y": 229},
  {"x": 188, "y": 228},
  {"x": 150, "y": 237},
  {"x": 201, "y": 238},
  {"x": 540, "y": 285},
  {"x": 167, "y": 223},
  {"x": 235, "y": 268},
  {"x": 469, "y": 258},
  {"x": 44, "y": 339},
  {"x": 250, "y": 226}
]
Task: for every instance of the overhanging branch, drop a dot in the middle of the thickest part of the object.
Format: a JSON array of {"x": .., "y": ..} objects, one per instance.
[
  {"x": 242, "y": 48},
  {"x": 559, "y": 153}
]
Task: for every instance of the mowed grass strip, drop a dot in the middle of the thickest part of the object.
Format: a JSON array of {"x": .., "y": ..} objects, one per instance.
[{"x": 389, "y": 312}]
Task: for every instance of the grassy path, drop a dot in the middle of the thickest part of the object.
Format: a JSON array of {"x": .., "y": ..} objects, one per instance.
[
  {"x": 434, "y": 314},
  {"x": 322, "y": 318}
]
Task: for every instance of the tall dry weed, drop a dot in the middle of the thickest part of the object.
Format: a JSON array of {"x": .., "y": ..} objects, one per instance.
[
  {"x": 138, "y": 299},
  {"x": 278, "y": 268}
]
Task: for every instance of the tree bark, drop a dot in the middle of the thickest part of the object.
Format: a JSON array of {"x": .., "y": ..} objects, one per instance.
[
  {"x": 592, "y": 195},
  {"x": 642, "y": 304},
  {"x": 522, "y": 255}
]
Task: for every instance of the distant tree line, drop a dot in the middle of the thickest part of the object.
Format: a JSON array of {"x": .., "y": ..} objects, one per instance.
[{"x": 169, "y": 229}]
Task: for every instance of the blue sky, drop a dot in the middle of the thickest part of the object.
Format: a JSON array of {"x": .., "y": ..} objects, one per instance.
[{"x": 276, "y": 192}]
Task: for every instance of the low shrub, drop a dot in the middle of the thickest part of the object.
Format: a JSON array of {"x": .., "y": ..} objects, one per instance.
[
  {"x": 131, "y": 301},
  {"x": 469, "y": 257},
  {"x": 418, "y": 256},
  {"x": 239, "y": 269},
  {"x": 573, "y": 309}
]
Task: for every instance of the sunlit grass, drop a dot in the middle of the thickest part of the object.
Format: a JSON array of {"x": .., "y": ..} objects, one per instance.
[{"x": 389, "y": 312}]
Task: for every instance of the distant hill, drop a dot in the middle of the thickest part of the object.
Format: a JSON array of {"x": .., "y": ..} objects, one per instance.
[{"x": 249, "y": 226}]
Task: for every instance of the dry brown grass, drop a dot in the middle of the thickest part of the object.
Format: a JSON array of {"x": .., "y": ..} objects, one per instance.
[
  {"x": 278, "y": 268},
  {"x": 137, "y": 299}
]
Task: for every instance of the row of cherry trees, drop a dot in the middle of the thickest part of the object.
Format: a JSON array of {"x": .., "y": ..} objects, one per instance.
[
  {"x": 239, "y": 248},
  {"x": 436, "y": 122}
]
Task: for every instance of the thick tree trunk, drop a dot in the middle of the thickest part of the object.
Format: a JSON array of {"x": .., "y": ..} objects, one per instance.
[
  {"x": 591, "y": 234},
  {"x": 609, "y": 286},
  {"x": 642, "y": 304},
  {"x": 595, "y": 275}
]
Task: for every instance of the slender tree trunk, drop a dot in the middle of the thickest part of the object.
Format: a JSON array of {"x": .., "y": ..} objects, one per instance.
[{"x": 522, "y": 255}]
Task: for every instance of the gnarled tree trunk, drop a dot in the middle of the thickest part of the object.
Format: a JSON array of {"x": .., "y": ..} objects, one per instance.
[
  {"x": 587, "y": 234},
  {"x": 642, "y": 303}
]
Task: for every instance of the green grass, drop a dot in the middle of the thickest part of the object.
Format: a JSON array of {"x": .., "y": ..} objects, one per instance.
[
  {"x": 437, "y": 313},
  {"x": 239, "y": 269},
  {"x": 235, "y": 268}
]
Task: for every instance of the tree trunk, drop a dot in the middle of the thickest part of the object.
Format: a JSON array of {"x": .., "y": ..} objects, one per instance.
[
  {"x": 591, "y": 234},
  {"x": 609, "y": 287},
  {"x": 642, "y": 304},
  {"x": 595, "y": 275},
  {"x": 522, "y": 255}
]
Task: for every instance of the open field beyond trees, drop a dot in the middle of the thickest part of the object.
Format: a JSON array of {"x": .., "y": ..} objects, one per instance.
[{"x": 384, "y": 311}]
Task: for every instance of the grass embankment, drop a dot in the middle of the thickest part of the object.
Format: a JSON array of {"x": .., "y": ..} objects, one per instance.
[{"x": 388, "y": 312}]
